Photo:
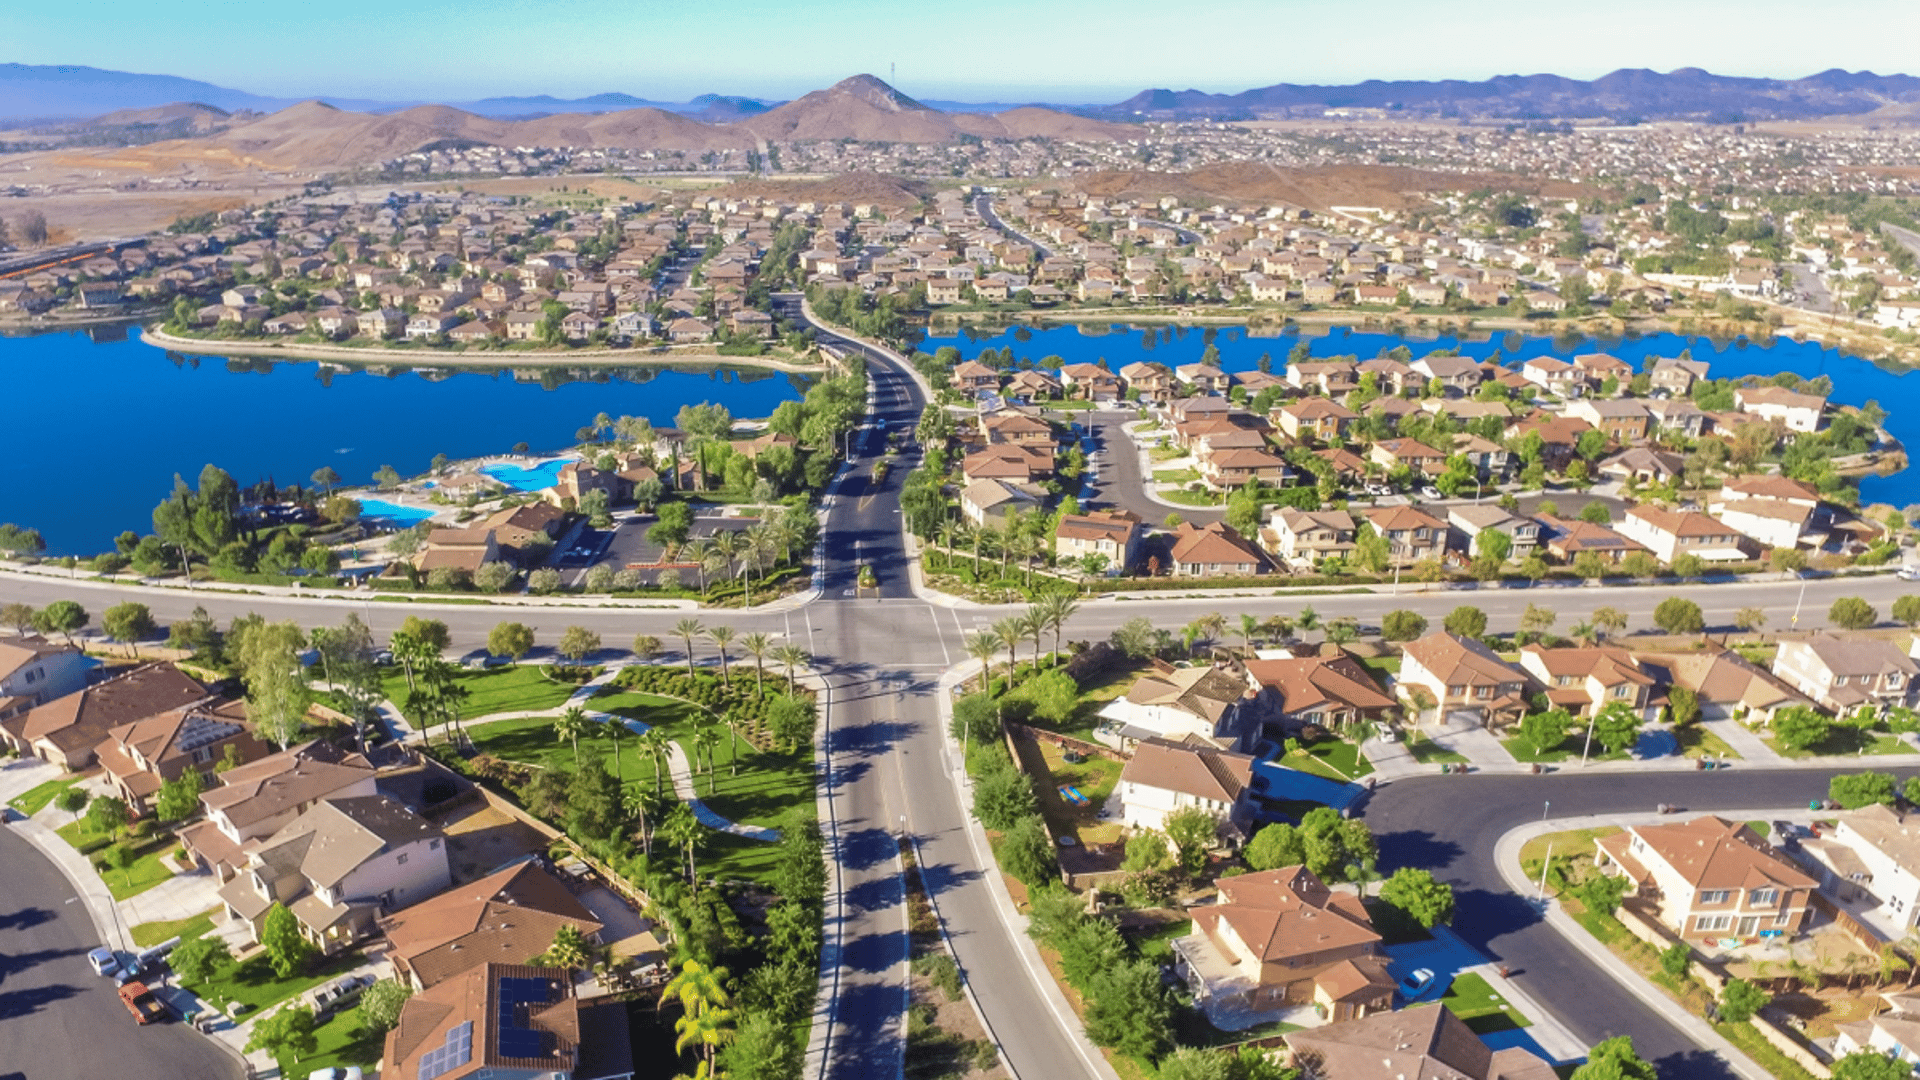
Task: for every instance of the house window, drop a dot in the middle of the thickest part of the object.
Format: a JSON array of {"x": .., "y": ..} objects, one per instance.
[
  {"x": 1763, "y": 896},
  {"x": 1781, "y": 919},
  {"x": 1456, "y": 691},
  {"x": 1714, "y": 896},
  {"x": 1713, "y": 922},
  {"x": 1622, "y": 691}
]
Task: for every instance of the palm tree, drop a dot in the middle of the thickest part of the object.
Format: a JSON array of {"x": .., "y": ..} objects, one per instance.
[
  {"x": 737, "y": 725},
  {"x": 706, "y": 738},
  {"x": 1309, "y": 618},
  {"x": 984, "y": 646},
  {"x": 1028, "y": 547},
  {"x": 1011, "y": 630},
  {"x": 569, "y": 726},
  {"x": 1059, "y": 607},
  {"x": 722, "y": 636},
  {"x": 1212, "y": 626},
  {"x": 727, "y": 544},
  {"x": 654, "y": 745},
  {"x": 1249, "y": 630},
  {"x": 757, "y": 645},
  {"x": 640, "y": 805},
  {"x": 613, "y": 727},
  {"x": 685, "y": 832},
  {"x": 1583, "y": 632},
  {"x": 708, "y": 1031},
  {"x": 791, "y": 659},
  {"x": 570, "y": 948},
  {"x": 688, "y": 629},
  {"x": 704, "y": 1003},
  {"x": 1035, "y": 621}
]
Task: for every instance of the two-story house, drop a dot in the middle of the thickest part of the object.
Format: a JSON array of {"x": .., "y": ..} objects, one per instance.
[
  {"x": 34, "y": 671},
  {"x": 509, "y": 1021},
  {"x": 1412, "y": 535},
  {"x": 1461, "y": 677},
  {"x": 66, "y": 730},
  {"x": 1324, "y": 690},
  {"x": 1236, "y": 467},
  {"x": 140, "y": 756},
  {"x": 1313, "y": 418},
  {"x": 974, "y": 377},
  {"x": 1204, "y": 378},
  {"x": 1566, "y": 539},
  {"x": 1726, "y": 685},
  {"x": 1151, "y": 383},
  {"x": 1167, "y": 702},
  {"x": 1795, "y": 411},
  {"x": 1412, "y": 454},
  {"x": 1672, "y": 533},
  {"x": 1426, "y": 1041},
  {"x": 1892, "y": 1033},
  {"x": 1301, "y": 538},
  {"x": 1114, "y": 535},
  {"x": 1676, "y": 377},
  {"x": 1624, "y": 420},
  {"x": 1587, "y": 680},
  {"x": 338, "y": 867},
  {"x": 513, "y": 912},
  {"x": 1843, "y": 673},
  {"x": 1164, "y": 777},
  {"x": 256, "y": 800},
  {"x": 1469, "y": 521},
  {"x": 1869, "y": 864},
  {"x": 1281, "y": 939},
  {"x": 1212, "y": 550},
  {"x": 1711, "y": 878}
]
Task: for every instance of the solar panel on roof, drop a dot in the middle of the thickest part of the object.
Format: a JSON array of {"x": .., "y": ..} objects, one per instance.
[
  {"x": 522, "y": 1043},
  {"x": 456, "y": 1051}
]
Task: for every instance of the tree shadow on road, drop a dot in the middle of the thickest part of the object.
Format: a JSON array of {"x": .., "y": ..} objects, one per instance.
[
  {"x": 1417, "y": 848},
  {"x": 15, "y": 1003},
  {"x": 862, "y": 848},
  {"x": 25, "y": 919}
]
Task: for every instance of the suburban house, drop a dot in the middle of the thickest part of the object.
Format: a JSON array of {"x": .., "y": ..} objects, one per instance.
[
  {"x": 338, "y": 866},
  {"x": 1427, "y": 1042},
  {"x": 1324, "y": 690},
  {"x": 465, "y": 550},
  {"x": 1642, "y": 465},
  {"x": 1031, "y": 384},
  {"x": 1670, "y": 534},
  {"x": 1555, "y": 376},
  {"x": 987, "y": 501},
  {"x": 1471, "y": 520},
  {"x": 1164, "y": 777},
  {"x": 1894, "y": 1033},
  {"x": 1869, "y": 864},
  {"x": 1239, "y": 466},
  {"x": 1173, "y": 703},
  {"x": 1587, "y": 680},
  {"x": 1455, "y": 374},
  {"x": 974, "y": 377},
  {"x": 1282, "y": 939},
  {"x": 1795, "y": 411},
  {"x": 1845, "y": 673},
  {"x": 67, "y": 730},
  {"x": 1710, "y": 877},
  {"x": 1412, "y": 535},
  {"x": 1771, "y": 510},
  {"x": 1567, "y": 539},
  {"x": 1114, "y": 535},
  {"x": 1726, "y": 685},
  {"x": 1412, "y": 454},
  {"x": 140, "y": 756},
  {"x": 1211, "y": 550},
  {"x": 505, "y": 917},
  {"x": 256, "y": 800},
  {"x": 1676, "y": 377},
  {"x": 1624, "y": 420},
  {"x": 509, "y": 1022},
  {"x": 1090, "y": 382},
  {"x": 1204, "y": 378},
  {"x": 1010, "y": 462},
  {"x": 1301, "y": 538},
  {"x": 1313, "y": 418},
  {"x": 34, "y": 671},
  {"x": 1463, "y": 676},
  {"x": 1151, "y": 383}
]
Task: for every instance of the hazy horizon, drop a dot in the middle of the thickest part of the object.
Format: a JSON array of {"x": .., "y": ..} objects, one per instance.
[{"x": 994, "y": 50}]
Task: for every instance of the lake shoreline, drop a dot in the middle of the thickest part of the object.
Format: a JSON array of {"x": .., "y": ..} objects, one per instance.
[{"x": 336, "y": 354}]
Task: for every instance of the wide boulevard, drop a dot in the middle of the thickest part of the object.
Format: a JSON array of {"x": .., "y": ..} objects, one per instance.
[{"x": 880, "y": 652}]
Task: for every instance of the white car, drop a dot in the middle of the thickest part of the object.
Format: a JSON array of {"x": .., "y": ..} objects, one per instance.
[
  {"x": 1908, "y": 573},
  {"x": 1416, "y": 984},
  {"x": 103, "y": 961},
  {"x": 1431, "y": 492},
  {"x": 336, "y": 1072}
]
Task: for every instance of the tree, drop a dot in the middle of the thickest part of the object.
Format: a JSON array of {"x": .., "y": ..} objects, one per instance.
[
  {"x": 1596, "y": 513},
  {"x": 1002, "y": 794},
  {"x": 1906, "y": 610},
  {"x": 1615, "y": 1059},
  {"x": 1493, "y": 545},
  {"x": 1609, "y": 620},
  {"x": 1544, "y": 731},
  {"x": 290, "y": 1030},
  {"x": 543, "y": 581},
  {"x": 287, "y": 948},
  {"x": 1402, "y": 625},
  {"x": 1128, "y": 1009},
  {"x": 792, "y": 719},
  {"x": 276, "y": 681},
  {"x": 1740, "y": 999},
  {"x": 432, "y": 633},
  {"x": 1675, "y": 959},
  {"x": 1147, "y": 850},
  {"x": 1617, "y": 727},
  {"x": 1852, "y": 613},
  {"x": 1026, "y": 852},
  {"x": 1679, "y": 615},
  {"x": 569, "y": 949},
  {"x": 1053, "y": 694},
  {"x": 1683, "y": 705},
  {"x": 380, "y": 1004},
  {"x": 688, "y": 629},
  {"x": 199, "y": 960},
  {"x": 1274, "y": 846},
  {"x": 1871, "y": 1065},
  {"x": 1418, "y": 896},
  {"x": 976, "y": 719},
  {"x": 1467, "y": 622},
  {"x": 130, "y": 621},
  {"x": 510, "y": 639},
  {"x": 1750, "y": 619},
  {"x": 1855, "y": 790},
  {"x": 325, "y": 478},
  {"x": 569, "y": 726},
  {"x": 1537, "y": 620},
  {"x": 1801, "y": 727},
  {"x": 1192, "y": 830},
  {"x": 179, "y": 798},
  {"x": 61, "y": 617},
  {"x": 106, "y": 816},
  {"x": 762, "y": 1049},
  {"x": 117, "y": 857},
  {"x": 1336, "y": 849},
  {"x": 495, "y": 577},
  {"x": 577, "y": 643}
]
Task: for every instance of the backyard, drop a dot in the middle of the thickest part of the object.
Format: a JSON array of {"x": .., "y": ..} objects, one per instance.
[
  {"x": 509, "y": 688},
  {"x": 1092, "y": 779}
]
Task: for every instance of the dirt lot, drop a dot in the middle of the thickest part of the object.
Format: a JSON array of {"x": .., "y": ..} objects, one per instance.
[{"x": 485, "y": 840}]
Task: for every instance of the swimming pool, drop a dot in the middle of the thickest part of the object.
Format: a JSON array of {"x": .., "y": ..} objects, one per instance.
[
  {"x": 382, "y": 512},
  {"x": 538, "y": 478}
]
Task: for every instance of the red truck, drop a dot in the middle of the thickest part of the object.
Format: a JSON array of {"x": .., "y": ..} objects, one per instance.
[{"x": 141, "y": 1003}]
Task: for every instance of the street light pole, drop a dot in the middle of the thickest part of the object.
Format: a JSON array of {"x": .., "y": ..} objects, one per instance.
[{"x": 1589, "y": 743}]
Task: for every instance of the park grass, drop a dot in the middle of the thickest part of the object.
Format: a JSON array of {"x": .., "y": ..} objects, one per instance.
[
  {"x": 1192, "y": 498},
  {"x": 344, "y": 1040},
  {"x": 142, "y": 874},
  {"x": 40, "y": 796},
  {"x": 1472, "y": 999},
  {"x": 512, "y": 688},
  {"x": 148, "y": 934},
  {"x": 253, "y": 982}
]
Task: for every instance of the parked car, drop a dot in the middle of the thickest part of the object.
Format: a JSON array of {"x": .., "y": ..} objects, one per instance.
[
  {"x": 1416, "y": 984},
  {"x": 1908, "y": 573},
  {"x": 103, "y": 962},
  {"x": 338, "y": 993},
  {"x": 141, "y": 1003},
  {"x": 336, "y": 1072},
  {"x": 1431, "y": 492}
]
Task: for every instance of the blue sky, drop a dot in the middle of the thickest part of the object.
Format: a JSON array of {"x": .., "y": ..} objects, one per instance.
[{"x": 1006, "y": 50}]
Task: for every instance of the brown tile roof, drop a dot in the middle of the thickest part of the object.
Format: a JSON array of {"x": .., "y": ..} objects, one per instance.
[
  {"x": 1215, "y": 543},
  {"x": 1713, "y": 853},
  {"x": 1286, "y": 914},
  {"x": 1681, "y": 522},
  {"x": 83, "y": 719},
  {"x": 1725, "y": 677},
  {"x": 1459, "y": 661},
  {"x": 1425, "y": 1042},
  {"x": 1309, "y": 682},
  {"x": 283, "y": 781},
  {"x": 1200, "y": 771},
  {"x": 1771, "y": 487},
  {"x": 505, "y": 917},
  {"x": 432, "y": 1021},
  {"x": 1102, "y": 525}
]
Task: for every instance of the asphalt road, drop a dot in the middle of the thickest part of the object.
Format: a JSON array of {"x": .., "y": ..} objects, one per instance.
[
  {"x": 983, "y": 205},
  {"x": 1123, "y": 478},
  {"x": 60, "y": 1021},
  {"x": 1449, "y": 825}
]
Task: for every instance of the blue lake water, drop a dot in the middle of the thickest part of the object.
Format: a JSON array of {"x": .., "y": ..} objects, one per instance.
[
  {"x": 99, "y": 422},
  {"x": 1855, "y": 381}
]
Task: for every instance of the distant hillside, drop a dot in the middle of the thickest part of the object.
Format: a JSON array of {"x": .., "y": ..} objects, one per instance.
[
  {"x": 1317, "y": 187},
  {"x": 37, "y": 90},
  {"x": 1685, "y": 94},
  {"x": 867, "y": 109}
]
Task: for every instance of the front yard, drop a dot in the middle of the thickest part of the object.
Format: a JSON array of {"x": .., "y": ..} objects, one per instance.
[
  {"x": 1471, "y": 999},
  {"x": 142, "y": 874},
  {"x": 1427, "y": 752},
  {"x": 253, "y": 982},
  {"x": 1333, "y": 758},
  {"x": 1843, "y": 739},
  {"x": 38, "y": 797},
  {"x": 345, "y": 1040}
]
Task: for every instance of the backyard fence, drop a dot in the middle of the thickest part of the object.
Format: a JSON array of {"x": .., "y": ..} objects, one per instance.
[{"x": 1066, "y": 742}]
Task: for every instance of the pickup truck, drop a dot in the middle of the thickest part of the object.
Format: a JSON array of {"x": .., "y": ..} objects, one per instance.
[{"x": 141, "y": 1003}]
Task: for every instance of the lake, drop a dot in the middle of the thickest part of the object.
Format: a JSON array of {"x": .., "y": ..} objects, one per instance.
[
  {"x": 1855, "y": 381},
  {"x": 101, "y": 422}
]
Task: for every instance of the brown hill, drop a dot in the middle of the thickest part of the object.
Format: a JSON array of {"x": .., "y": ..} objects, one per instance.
[
  {"x": 867, "y": 109},
  {"x": 1316, "y": 187},
  {"x": 1033, "y": 122},
  {"x": 629, "y": 129},
  {"x": 201, "y": 117}
]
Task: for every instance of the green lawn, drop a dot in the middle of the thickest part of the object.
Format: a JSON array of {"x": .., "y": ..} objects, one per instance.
[
  {"x": 1157, "y": 944},
  {"x": 1568, "y": 750},
  {"x": 1335, "y": 759},
  {"x": 1844, "y": 739},
  {"x": 1192, "y": 498},
  {"x": 344, "y": 1040},
  {"x": 1175, "y": 476},
  {"x": 153, "y": 933},
  {"x": 142, "y": 874},
  {"x": 1070, "y": 404},
  {"x": 1697, "y": 741},
  {"x": 1382, "y": 665},
  {"x": 1471, "y": 999},
  {"x": 253, "y": 981},
  {"x": 1427, "y": 752},
  {"x": 512, "y": 688},
  {"x": 38, "y": 797}
]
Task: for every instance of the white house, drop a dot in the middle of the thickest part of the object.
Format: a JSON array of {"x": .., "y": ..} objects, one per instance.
[
  {"x": 1164, "y": 777},
  {"x": 1846, "y": 672},
  {"x": 1868, "y": 866},
  {"x": 1894, "y": 1033},
  {"x": 1799, "y": 412},
  {"x": 1174, "y": 703},
  {"x": 1672, "y": 533},
  {"x": 34, "y": 671}
]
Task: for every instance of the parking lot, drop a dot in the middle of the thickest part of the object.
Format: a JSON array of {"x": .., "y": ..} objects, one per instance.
[{"x": 626, "y": 545}]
